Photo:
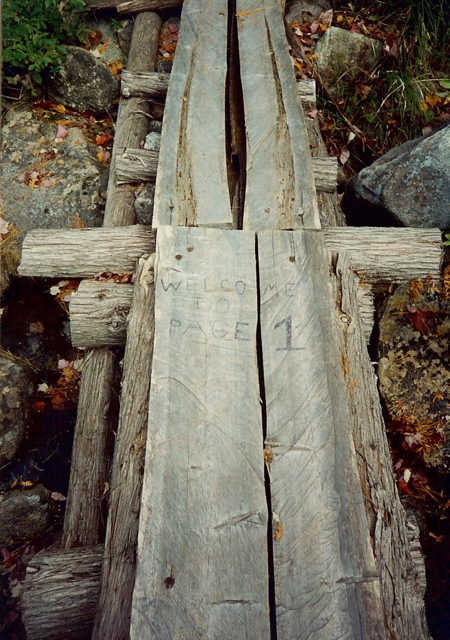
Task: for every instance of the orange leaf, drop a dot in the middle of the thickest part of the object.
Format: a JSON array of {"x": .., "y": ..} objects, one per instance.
[
  {"x": 403, "y": 487},
  {"x": 58, "y": 400}
]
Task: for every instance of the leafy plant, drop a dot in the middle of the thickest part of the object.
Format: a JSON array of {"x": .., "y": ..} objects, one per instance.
[{"x": 35, "y": 33}]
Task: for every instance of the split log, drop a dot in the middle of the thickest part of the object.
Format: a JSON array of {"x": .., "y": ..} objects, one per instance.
[
  {"x": 119, "y": 564},
  {"x": 389, "y": 254},
  {"x": 192, "y": 184},
  {"x": 59, "y": 593},
  {"x": 401, "y": 589},
  {"x": 79, "y": 253},
  {"x": 132, "y": 120},
  {"x": 98, "y": 313},
  {"x": 202, "y": 568},
  {"x": 136, "y": 165},
  {"x": 84, "y": 520},
  {"x": 141, "y": 84},
  {"x": 280, "y": 190},
  {"x": 135, "y": 6},
  {"x": 321, "y": 544},
  {"x": 140, "y": 165}
]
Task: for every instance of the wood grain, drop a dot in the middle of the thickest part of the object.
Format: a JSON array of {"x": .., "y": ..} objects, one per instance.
[
  {"x": 144, "y": 84},
  {"x": 133, "y": 119},
  {"x": 280, "y": 186},
  {"x": 98, "y": 314},
  {"x": 401, "y": 589},
  {"x": 202, "y": 558},
  {"x": 79, "y": 253},
  {"x": 136, "y": 165},
  {"x": 136, "y": 6},
  {"x": 192, "y": 185},
  {"x": 326, "y": 584},
  {"x": 59, "y": 593},
  {"x": 119, "y": 565},
  {"x": 84, "y": 519}
]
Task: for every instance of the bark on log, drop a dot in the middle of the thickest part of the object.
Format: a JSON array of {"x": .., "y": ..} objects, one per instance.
[
  {"x": 307, "y": 92},
  {"x": 80, "y": 253},
  {"x": 325, "y": 171},
  {"x": 401, "y": 591},
  {"x": 135, "y": 6},
  {"x": 132, "y": 120},
  {"x": 141, "y": 84},
  {"x": 84, "y": 520},
  {"x": 119, "y": 564},
  {"x": 384, "y": 254},
  {"x": 140, "y": 165},
  {"x": 136, "y": 165},
  {"x": 98, "y": 313},
  {"x": 59, "y": 593}
]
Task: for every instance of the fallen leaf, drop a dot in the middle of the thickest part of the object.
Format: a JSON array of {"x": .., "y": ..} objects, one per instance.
[
  {"x": 43, "y": 387},
  {"x": 61, "y": 132},
  {"x": 58, "y": 400},
  {"x": 343, "y": 158},
  {"x": 59, "y": 108},
  {"x": 36, "y": 328},
  {"x": 63, "y": 364},
  {"x": 4, "y": 227},
  {"x": 39, "y": 406},
  {"x": 403, "y": 487},
  {"x": 50, "y": 182},
  {"x": 55, "y": 495}
]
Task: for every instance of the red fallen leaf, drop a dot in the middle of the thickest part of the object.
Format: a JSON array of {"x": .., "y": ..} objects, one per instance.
[
  {"x": 403, "y": 487},
  {"x": 39, "y": 406},
  {"x": 7, "y": 556},
  {"x": 58, "y": 400},
  {"x": 61, "y": 132},
  {"x": 417, "y": 319}
]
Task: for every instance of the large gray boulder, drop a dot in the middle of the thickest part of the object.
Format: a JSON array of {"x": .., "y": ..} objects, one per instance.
[
  {"x": 84, "y": 82},
  {"x": 67, "y": 194},
  {"x": 409, "y": 186},
  {"x": 344, "y": 55},
  {"x": 16, "y": 393},
  {"x": 305, "y": 11}
]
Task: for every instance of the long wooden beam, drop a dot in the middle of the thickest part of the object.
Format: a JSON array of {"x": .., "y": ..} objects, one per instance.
[
  {"x": 202, "y": 569},
  {"x": 378, "y": 254},
  {"x": 192, "y": 183}
]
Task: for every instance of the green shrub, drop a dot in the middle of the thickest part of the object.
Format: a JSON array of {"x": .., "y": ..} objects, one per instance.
[{"x": 35, "y": 32}]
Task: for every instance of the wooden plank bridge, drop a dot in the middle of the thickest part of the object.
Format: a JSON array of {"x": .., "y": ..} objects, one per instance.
[{"x": 266, "y": 505}]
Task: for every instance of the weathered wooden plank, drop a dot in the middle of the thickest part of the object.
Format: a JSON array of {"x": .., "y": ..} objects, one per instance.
[
  {"x": 307, "y": 92},
  {"x": 98, "y": 313},
  {"x": 192, "y": 185},
  {"x": 385, "y": 254},
  {"x": 132, "y": 120},
  {"x": 144, "y": 84},
  {"x": 202, "y": 556},
  {"x": 118, "y": 573},
  {"x": 84, "y": 520},
  {"x": 136, "y": 6},
  {"x": 326, "y": 584},
  {"x": 136, "y": 165},
  {"x": 280, "y": 186},
  {"x": 401, "y": 589},
  {"x": 59, "y": 592},
  {"x": 79, "y": 253}
]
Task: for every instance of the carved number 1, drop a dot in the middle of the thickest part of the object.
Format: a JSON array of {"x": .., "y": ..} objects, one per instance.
[{"x": 288, "y": 326}]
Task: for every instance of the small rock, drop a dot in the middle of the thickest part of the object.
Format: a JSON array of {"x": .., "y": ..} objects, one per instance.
[
  {"x": 84, "y": 82},
  {"x": 23, "y": 515},
  {"x": 303, "y": 11},
  {"x": 155, "y": 125},
  {"x": 124, "y": 36},
  {"x": 17, "y": 385},
  {"x": 408, "y": 186},
  {"x": 144, "y": 205},
  {"x": 346, "y": 53},
  {"x": 164, "y": 66},
  {"x": 153, "y": 141}
]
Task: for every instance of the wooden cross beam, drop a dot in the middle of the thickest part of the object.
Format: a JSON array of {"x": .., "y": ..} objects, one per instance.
[{"x": 204, "y": 560}]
